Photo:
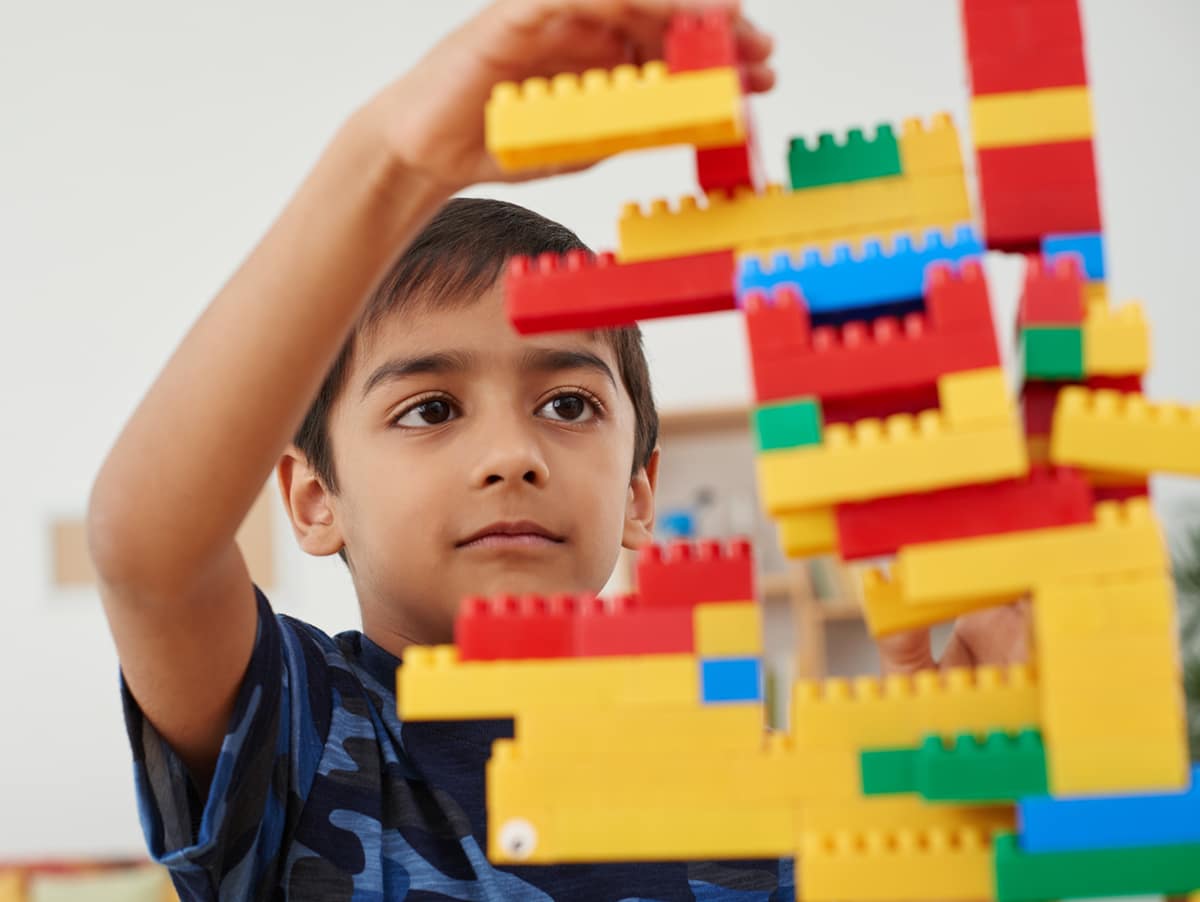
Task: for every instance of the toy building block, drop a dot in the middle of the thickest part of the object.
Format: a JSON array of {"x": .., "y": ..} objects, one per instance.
[
  {"x": 1116, "y": 342},
  {"x": 1038, "y": 400},
  {"x": 847, "y": 280},
  {"x": 831, "y": 163},
  {"x": 957, "y": 445},
  {"x": 885, "y": 357},
  {"x": 1111, "y": 822},
  {"x": 930, "y": 150},
  {"x": 1023, "y": 45},
  {"x": 886, "y": 611},
  {"x": 1021, "y": 118},
  {"x": 901, "y": 710},
  {"x": 1091, "y": 765},
  {"x": 700, "y": 41},
  {"x": 566, "y": 734},
  {"x": 1124, "y": 539},
  {"x": 725, "y": 680},
  {"x": 824, "y": 813},
  {"x": 1108, "y": 430},
  {"x": 433, "y": 684},
  {"x": 1043, "y": 499},
  {"x": 687, "y": 574},
  {"x": 1087, "y": 247},
  {"x": 879, "y": 405},
  {"x": 806, "y": 533},
  {"x": 1052, "y": 294},
  {"x": 904, "y": 865},
  {"x": 582, "y": 291},
  {"x": 773, "y": 218},
  {"x": 508, "y": 627},
  {"x": 626, "y": 627},
  {"x": 728, "y": 168},
  {"x": 1001, "y": 768},
  {"x": 788, "y": 424},
  {"x": 575, "y": 119},
  {"x": 1142, "y": 870},
  {"x": 728, "y": 629},
  {"x": 1029, "y": 192},
  {"x": 888, "y": 771},
  {"x": 1052, "y": 352}
]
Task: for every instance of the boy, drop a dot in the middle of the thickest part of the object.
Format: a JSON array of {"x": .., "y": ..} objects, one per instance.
[{"x": 443, "y": 456}]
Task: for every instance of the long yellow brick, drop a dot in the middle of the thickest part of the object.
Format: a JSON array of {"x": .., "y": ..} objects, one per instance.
[
  {"x": 1108, "y": 430},
  {"x": 1021, "y": 118},
  {"x": 807, "y": 533},
  {"x": 1115, "y": 765},
  {"x": 1124, "y": 539},
  {"x": 887, "y": 612},
  {"x": 573, "y": 118}
]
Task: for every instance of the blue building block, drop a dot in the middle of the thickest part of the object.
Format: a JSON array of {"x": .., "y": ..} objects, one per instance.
[
  {"x": 731, "y": 680},
  {"x": 1109, "y": 822},
  {"x": 849, "y": 282},
  {"x": 1088, "y": 245}
]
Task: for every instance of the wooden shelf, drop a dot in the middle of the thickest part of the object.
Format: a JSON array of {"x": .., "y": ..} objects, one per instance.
[{"x": 734, "y": 417}]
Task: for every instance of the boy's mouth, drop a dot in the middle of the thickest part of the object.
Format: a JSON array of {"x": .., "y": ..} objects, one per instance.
[{"x": 511, "y": 534}]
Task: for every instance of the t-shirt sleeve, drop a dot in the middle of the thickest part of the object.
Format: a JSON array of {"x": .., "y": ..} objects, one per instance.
[{"x": 229, "y": 844}]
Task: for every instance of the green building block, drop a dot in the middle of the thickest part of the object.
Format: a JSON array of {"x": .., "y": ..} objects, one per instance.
[
  {"x": 830, "y": 163},
  {"x": 790, "y": 424},
  {"x": 1052, "y": 352},
  {"x": 1033, "y": 877},
  {"x": 999, "y": 769},
  {"x": 887, "y": 771}
]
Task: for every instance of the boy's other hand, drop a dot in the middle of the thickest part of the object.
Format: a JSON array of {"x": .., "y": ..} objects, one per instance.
[
  {"x": 996, "y": 636},
  {"x": 433, "y": 117}
]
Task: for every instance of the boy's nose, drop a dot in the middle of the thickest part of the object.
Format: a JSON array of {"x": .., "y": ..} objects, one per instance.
[{"x": 511, "y": 457}]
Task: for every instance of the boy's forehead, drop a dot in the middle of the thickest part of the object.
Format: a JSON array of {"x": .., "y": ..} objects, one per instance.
[{"x": 477, "y": 328}]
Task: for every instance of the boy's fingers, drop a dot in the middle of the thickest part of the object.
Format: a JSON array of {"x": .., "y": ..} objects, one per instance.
[
  {"x": 997, "y": 636},
  {"x": 905, "y": 652}
]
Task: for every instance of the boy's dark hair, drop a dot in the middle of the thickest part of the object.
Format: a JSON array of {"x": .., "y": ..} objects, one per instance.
[{"x": 461, "y": 253}]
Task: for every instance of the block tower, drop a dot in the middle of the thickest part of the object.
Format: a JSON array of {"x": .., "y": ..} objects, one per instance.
[{"x": 885, "y": 428}]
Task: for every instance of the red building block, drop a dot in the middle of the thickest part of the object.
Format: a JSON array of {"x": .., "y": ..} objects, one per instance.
[
  {"x": 1028, "y": 192},
  {"x": 509, "y": 627},
  {"x": 1023, "y": 45},
  {"x": 881, "y": 406},
  {"x": 1125, "y": 384},
  {"x": 581, "y": 291},
  {"x": 1044, "y": 499},
  {"x": 687, "y": 574},
  {"x": 627, "y": 626},
  {"x": 1122, "y": 492},
  {"x": 726, "y": 168},
  {"x": 1053, "y": 294},
  {"x": 884, "y": 357},
  {"x": 700, "y": 41}
]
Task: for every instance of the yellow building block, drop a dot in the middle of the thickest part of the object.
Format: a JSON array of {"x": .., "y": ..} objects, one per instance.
[
  {"x": 728, "y": 628},
  {"x": 1021, "y": 118},
  {"x": 886, "y": 611},
  {"x": 574, "y": 119},
  {"x": 433, "y": 684},
  {"x": 631, "y": 732},
  {"x": 1095, "y": 292},
  {"x": 1108, "y": 430},
  {"x": 976, "y": 398},
  {"x": 1114, "y": 765},
  {"x": 897, "y": 866},
  {"x": 939, "y": 198},
  {"x": 900, "y": 812},
  {"x": 1115, "y": 342},
  {"x": 873, "y": 459},
  {"x": 1124, "y": 539},
  {"x": 932, "y": 149},
  {"x": 1089, "y": 609},
  {"x": 901, "y": 710},
  {"x": 807, "y": 533}
]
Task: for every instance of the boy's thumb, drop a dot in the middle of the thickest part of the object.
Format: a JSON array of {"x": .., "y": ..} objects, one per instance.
[{"x": 906, "y": 652}]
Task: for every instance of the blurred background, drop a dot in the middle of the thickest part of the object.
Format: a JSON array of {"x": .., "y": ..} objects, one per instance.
[{"x": 145, "y": 147}]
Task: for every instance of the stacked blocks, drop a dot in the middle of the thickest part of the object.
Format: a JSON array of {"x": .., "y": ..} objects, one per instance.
[{"x": 884, "y": 427}]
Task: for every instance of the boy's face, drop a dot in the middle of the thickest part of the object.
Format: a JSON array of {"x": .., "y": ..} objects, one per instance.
[{"x": 472, "y": 461}]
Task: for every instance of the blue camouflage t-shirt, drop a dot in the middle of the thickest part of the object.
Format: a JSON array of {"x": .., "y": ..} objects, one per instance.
[{"x": 321, "y": 793}]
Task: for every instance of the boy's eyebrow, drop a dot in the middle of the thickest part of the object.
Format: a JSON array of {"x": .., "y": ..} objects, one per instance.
[
  {"x": 551, "y": 360},
  {"x": 399, "y": 367}
]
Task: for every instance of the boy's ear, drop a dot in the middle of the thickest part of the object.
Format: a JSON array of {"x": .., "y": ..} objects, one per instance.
[
  {"x": 639, "y": 508},
  {"x": 308, "y": 504}
]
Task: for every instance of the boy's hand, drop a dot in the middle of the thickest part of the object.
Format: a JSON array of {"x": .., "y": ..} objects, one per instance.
[
  {"x": 996, "y": 636},
  {"x": 433, "y": 116}
]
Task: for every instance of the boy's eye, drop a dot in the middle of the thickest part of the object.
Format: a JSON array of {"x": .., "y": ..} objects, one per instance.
[
  {"x": 569, "y": 408},
  {"x": 433, "y": 412}
]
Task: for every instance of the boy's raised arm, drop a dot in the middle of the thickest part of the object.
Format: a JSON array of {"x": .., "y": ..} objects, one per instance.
[{"x": 188, "y": 465}]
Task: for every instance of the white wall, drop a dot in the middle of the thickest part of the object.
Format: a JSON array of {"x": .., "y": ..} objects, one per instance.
[{"x": 145, "y": 146}]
